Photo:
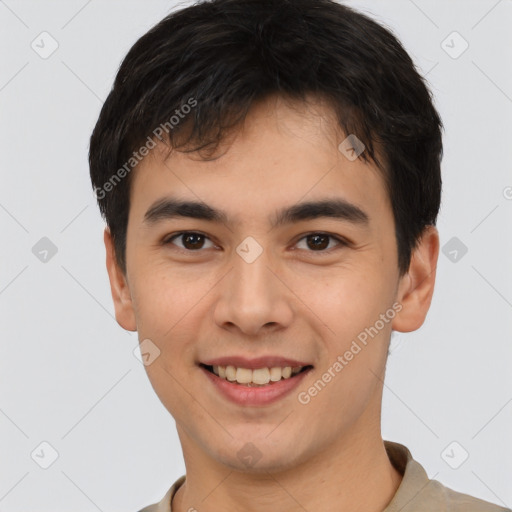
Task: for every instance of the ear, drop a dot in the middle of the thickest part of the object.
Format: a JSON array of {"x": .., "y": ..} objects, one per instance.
[
  {"x": 121, "y": 295},
  {"x": 416, "y": 288}
]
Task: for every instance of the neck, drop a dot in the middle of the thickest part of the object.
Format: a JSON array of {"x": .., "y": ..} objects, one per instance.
[{"x": 354, "y": 473}]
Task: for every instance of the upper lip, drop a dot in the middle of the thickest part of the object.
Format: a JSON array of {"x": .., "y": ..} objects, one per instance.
[{"x": 258, "y": 362}]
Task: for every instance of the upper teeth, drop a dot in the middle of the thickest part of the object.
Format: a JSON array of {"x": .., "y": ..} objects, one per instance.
[{"x": 256, "y": 376}]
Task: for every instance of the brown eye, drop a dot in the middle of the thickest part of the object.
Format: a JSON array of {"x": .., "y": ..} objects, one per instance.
[
  {"x": 191, "y": 241},
  {"x": 319, "y": 242}
]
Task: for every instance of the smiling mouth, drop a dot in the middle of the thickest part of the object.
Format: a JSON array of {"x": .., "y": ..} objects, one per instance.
[{"x": 255, "y": 377}]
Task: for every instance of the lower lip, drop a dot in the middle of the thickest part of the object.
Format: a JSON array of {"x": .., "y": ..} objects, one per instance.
[{"x": 261, "y": 395}]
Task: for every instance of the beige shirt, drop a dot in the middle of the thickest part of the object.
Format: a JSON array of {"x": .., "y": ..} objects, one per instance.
[{"x": 416, "y": 493}]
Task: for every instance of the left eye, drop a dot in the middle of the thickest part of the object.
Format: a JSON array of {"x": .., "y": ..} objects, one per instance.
[
  {"x": 193, "y": 241},
  {"x": 320, "y": 241}
]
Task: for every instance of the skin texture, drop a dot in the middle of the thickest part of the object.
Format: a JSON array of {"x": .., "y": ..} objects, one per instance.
[{"x": 293, "y": 301}]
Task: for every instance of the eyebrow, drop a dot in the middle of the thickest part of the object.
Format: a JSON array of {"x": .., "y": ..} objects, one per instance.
[{"x": 170, "y": 208}]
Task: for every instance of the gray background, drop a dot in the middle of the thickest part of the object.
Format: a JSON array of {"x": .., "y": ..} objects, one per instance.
[{"x": 68, "y": 373}]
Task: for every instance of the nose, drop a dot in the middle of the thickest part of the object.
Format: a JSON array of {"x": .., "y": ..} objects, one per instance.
[{"x": 254, "y": 298}]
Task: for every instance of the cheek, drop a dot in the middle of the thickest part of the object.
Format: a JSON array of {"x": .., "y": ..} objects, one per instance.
[
  {"x": 161, "y": 298},
  {"x": 167, "y": 386},
  {"x": 347, "y": 301},
  {"x": 169, "y": 310},
  {"x": 352, "y": 309}
]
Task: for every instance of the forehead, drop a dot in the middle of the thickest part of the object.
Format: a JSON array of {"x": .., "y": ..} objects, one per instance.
[{"x": 284, "y": 153}]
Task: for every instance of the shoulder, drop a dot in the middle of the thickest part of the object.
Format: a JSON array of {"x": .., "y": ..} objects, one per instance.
[
  {"x": 418, "y": 493},
  {"x": 454, "y": 501},
  {"x": 164, "y": 505}
]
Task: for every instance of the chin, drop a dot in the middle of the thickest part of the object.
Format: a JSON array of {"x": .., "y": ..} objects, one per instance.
[
  {"x": 264, "y": 463},
  {"x": 258, "y": 454}
]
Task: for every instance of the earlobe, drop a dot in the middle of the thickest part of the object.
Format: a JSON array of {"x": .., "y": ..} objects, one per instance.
[
  {"x": 121, "y": 295},
  {"x": 416, "y": 288}
]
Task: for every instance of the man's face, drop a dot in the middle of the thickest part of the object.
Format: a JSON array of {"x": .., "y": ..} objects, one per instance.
[{"x": 303, "y": 289}]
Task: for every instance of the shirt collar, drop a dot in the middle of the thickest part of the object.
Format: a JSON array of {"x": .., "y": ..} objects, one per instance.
[{"x": 414, "y": 478}]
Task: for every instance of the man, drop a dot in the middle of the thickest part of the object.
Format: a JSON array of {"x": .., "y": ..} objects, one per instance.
[{"x": 269, "y": 172}]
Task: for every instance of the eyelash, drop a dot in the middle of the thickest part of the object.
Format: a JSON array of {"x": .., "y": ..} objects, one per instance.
[{"x": 341, "y": 243}]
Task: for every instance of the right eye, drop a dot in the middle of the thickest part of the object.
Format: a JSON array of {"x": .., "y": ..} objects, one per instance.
[{"x": 192, "y": 241}]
